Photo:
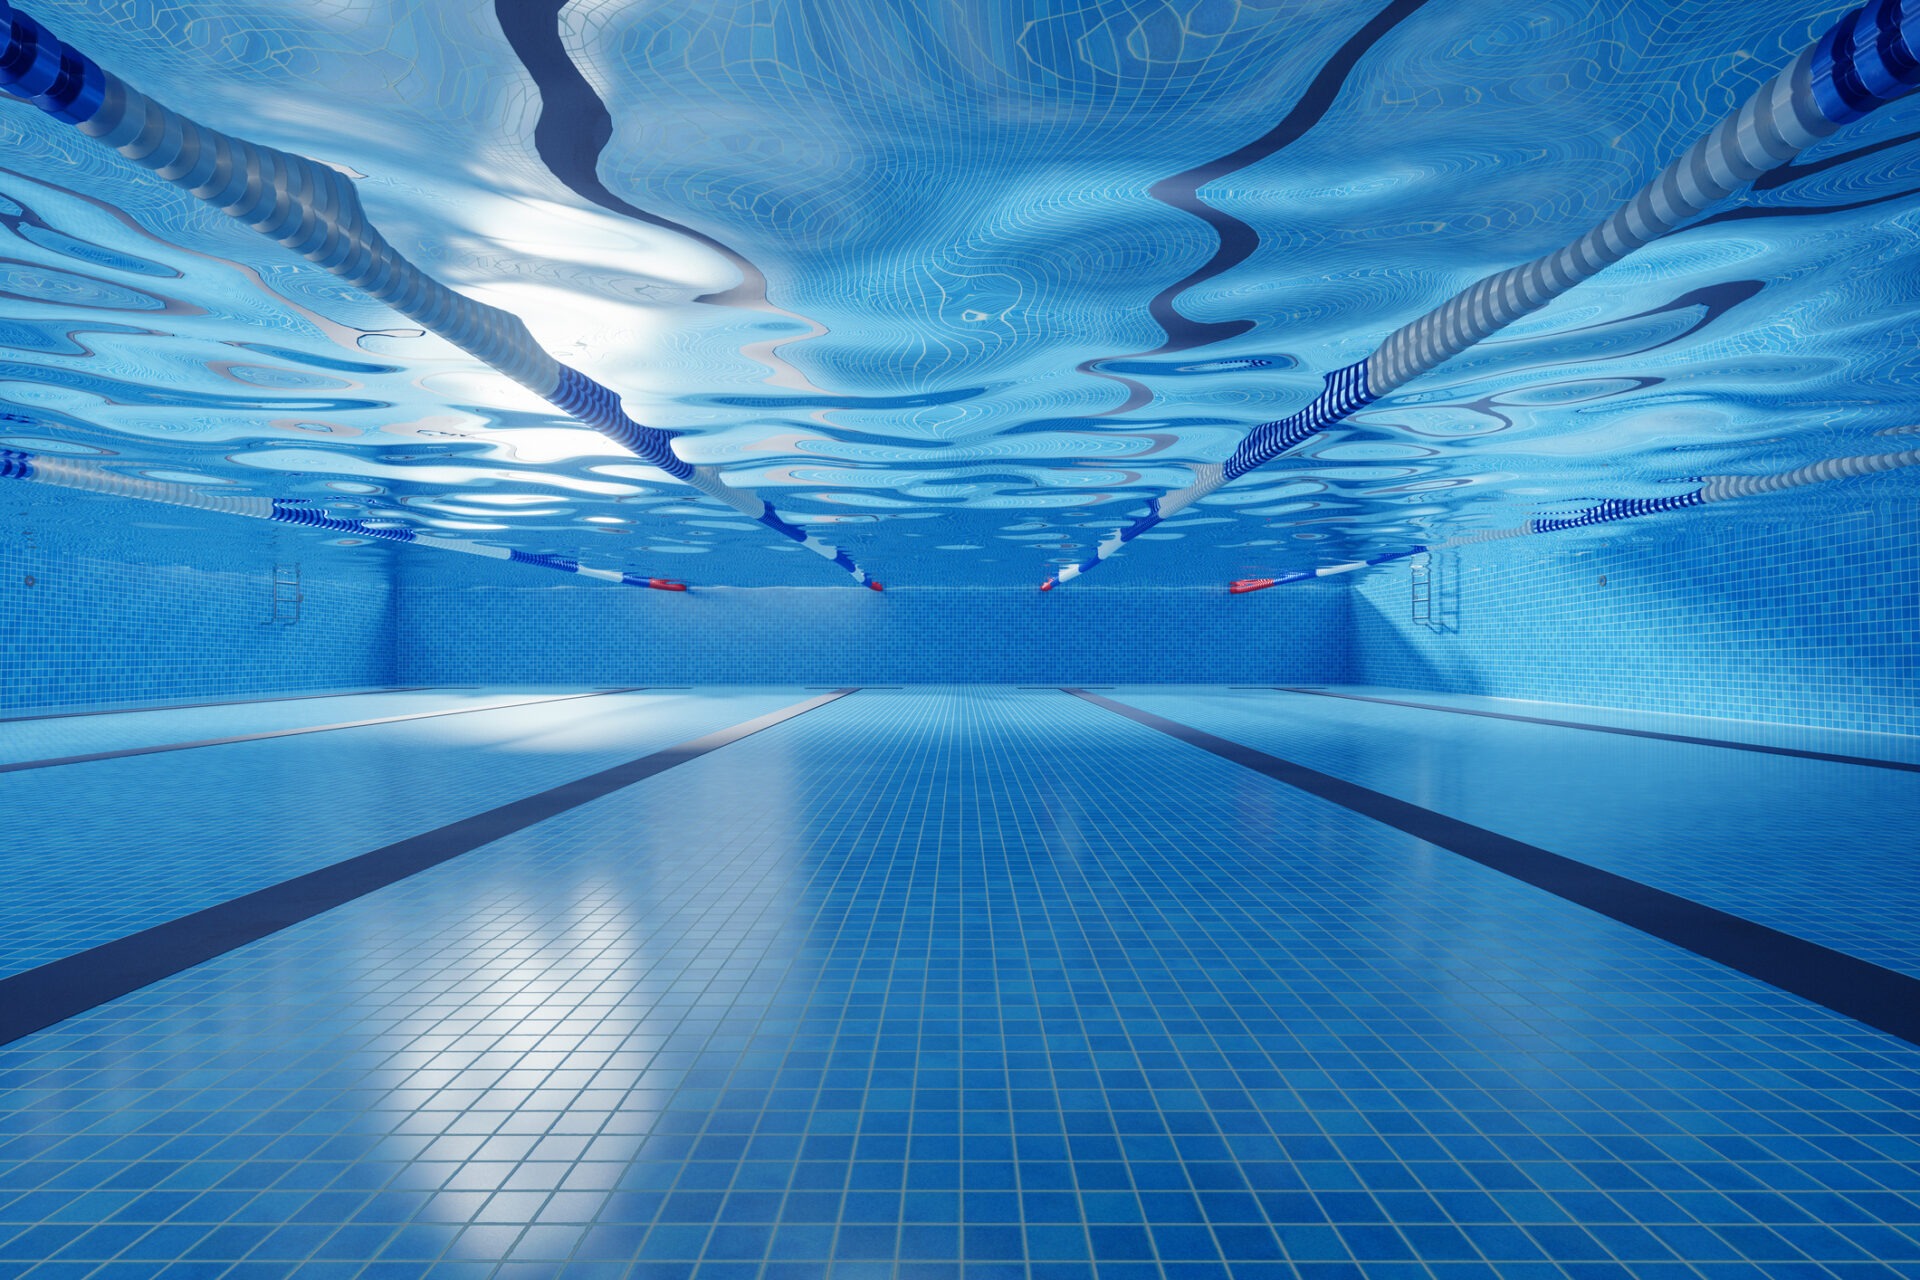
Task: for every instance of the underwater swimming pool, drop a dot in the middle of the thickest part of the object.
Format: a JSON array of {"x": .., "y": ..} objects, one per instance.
[
  {"x": 1355, "y": 715},
  {"x": 911, "y": 981}
]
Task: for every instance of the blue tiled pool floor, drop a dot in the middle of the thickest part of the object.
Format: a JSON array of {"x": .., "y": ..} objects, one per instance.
[
  {"x": 1888, "y": 746},
  {"x": 63, "y": 736},
  {"x": 958, "y": 985},
  {"x": 1823, "y": 850},
  {"x": 99, "y": 850}
]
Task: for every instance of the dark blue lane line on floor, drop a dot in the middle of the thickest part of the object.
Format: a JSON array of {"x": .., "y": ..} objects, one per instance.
[
  {"x": 231, "y": 702},
  {"x": 54, "y": 992},
  {"x": 157, "y": 749},
  {"x": 1871, "y": 762},
  {"x": 1881, "y": 998}
]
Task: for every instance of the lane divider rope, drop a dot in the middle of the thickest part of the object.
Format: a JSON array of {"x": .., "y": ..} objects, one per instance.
[
  {"x": 1868, "y": 58},
  {"x": 312, "y": 209},
  {"x": 72, "y": 473},
  {"x": 1715, "y": 489}
]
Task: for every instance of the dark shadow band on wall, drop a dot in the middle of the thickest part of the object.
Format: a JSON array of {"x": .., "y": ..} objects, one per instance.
[
  {"x": 54, "y": 992},
  {"x": 1870, "y": 762},
  {"x": 1882, "y": 998}
]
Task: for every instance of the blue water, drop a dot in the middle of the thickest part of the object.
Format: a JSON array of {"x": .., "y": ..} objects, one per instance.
[
  {"x": 919, "y": 985},
  {"x": 1804, "y": 846},
  {"x": 933, "y": 278},
  {"x": 59, "y": 736},
  {"x": 101, "y": 849}
]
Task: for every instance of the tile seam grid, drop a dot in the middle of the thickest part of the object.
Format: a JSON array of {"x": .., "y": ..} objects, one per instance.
[
  {"x": 1834, "y": 757},
  {"x": 20, "y": 766},
  {"x": 1881, "y": 998},
  {"x": 68, "y": 473},
  {"x": 233, "y": 702},
  {"x": 1714, "y": 489},
  {"x": 38, "y": 998}
]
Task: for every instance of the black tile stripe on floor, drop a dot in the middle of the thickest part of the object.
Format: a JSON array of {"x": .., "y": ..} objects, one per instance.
[
  {"x": 1880, "y": 997},
  {"x": 1871, "y": 762},
  {"x": 52, "y": 761},
  {"x": 230, "y": 702},
  {"x": 38, "y": 998}
]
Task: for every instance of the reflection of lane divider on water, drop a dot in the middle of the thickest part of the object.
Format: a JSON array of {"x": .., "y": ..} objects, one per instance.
[
  {"x": 314, "y": 211},
  {"x": 1716, "y": 489},
  {"x": 1869, "y": 57},
  {"x": 69, "y": 473}
]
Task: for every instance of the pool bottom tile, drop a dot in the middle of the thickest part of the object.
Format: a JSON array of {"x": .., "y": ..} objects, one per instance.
[{"x": 919, "y": 985}]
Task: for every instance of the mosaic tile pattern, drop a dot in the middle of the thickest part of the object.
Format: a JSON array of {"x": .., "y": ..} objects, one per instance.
[
  {"x": 1813, "y": 848},
  {"x": 1811, "y": 620},
  {"x": 916, "y": 986},
  {"x": 502, "y": 629},
  {"x": 1805, "y": 613},
  {"x": 49, "y": 739},
  {"x": 1797, "y": 737},
  {"x": 99, "y": 850},
  {"x": 107, "y": 602}
]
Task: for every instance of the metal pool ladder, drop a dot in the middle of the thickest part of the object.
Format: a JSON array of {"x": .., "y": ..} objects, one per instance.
[
  {"x": 287, "y": 596},
  {"x": 1420, "y": 584}
]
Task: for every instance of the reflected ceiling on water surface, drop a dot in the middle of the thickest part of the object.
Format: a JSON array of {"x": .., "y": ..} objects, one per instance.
[{"x": 960, "y": 284}]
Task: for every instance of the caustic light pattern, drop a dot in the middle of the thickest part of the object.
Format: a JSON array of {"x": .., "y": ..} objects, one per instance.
[
  {"x": 958, "y": 288},
  {"x": 915, "y": 986}
]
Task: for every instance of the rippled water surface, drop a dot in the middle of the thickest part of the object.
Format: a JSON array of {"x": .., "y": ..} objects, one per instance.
[{"x": 967, "y": 282}]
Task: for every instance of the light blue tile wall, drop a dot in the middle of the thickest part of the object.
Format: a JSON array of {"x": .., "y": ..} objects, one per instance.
[
  {"x": 108, "y": 602},
  {"x": 1802, "y": 612},
  {"x": 1796, "y": 611},
  {"x": 516, "y": 631}
]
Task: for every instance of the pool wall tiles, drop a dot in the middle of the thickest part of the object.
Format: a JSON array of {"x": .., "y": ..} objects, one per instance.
[
  {"x": 103, "y": 603},
  {"x": 507, "y": 632},
  {"x": 1809, "y": 618}
]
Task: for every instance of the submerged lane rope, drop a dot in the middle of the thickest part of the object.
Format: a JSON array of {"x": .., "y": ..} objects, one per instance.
[
  {"x": 314, "y": 211},
  {"x": 1866, "y": 59},
  {"x": 68, "y": 473},
  {"x": 1716, "y": 489}
]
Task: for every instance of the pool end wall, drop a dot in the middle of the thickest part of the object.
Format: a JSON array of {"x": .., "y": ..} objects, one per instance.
[{"x": 1806, "y": 613}]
